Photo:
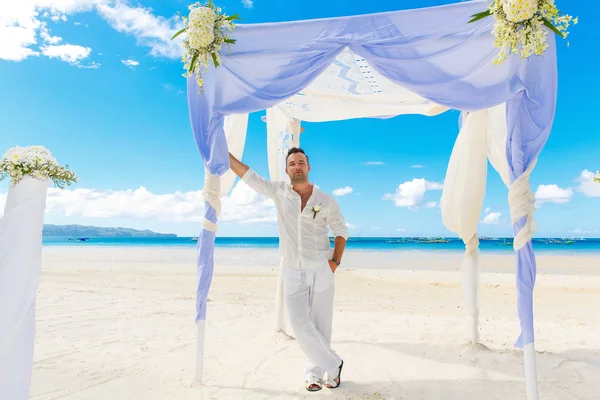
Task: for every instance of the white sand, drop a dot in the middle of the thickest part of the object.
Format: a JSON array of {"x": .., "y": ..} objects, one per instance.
[{"x": 119, "y": 324}]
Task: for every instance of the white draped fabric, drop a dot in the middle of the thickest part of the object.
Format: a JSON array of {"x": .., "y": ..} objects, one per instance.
[
  {"x": 283, "y": 133},
  {"x": 20, "y": 264},
  {"x": 349, "y": 88},
  {"x": 236, "y": 126},
  {"x": 462, "y": 201}
]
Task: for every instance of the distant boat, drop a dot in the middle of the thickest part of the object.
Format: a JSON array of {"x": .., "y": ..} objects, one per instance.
[
  {"x": 433, "y": 240},
  {"x": 195, "y": 238},
  {"x": 80, "y": 239}
]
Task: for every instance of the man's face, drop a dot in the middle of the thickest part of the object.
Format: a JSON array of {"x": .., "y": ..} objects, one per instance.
[{"x": 297, "y": 168}]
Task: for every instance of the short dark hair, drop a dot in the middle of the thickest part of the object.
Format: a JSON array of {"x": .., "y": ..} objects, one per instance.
[{"x": 295, "y": 150}]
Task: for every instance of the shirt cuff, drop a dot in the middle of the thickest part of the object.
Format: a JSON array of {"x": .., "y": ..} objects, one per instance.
[
  {"x": 248, "y": 175},
  {"x": 343, "y": 234}
]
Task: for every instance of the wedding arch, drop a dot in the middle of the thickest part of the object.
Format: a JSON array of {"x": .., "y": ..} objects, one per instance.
[{"x": 423, "y": 61}]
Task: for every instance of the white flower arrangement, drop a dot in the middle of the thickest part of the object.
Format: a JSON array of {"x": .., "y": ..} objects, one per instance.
[
  {"x": 597, "y": 177},
  {"x": 519, "y": 26},
  {"x": 37, "y": 162},
  {"x": 205, "y": 27}
]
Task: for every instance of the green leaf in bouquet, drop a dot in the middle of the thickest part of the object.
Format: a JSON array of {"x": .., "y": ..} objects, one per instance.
[
  {"x": 193, "y": 63},
  {"x": 179, "y": 33},
  {"x": 481, "y": 15},
  {"x": 214, "y": 57},
  {"x": 552, "y": 27}
]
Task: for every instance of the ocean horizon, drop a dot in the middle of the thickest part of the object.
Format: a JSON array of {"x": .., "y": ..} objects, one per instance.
[{"x": 580, "y": 245}]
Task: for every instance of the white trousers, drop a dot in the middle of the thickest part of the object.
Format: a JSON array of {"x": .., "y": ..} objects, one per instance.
[{"x": 309, "y": 300}]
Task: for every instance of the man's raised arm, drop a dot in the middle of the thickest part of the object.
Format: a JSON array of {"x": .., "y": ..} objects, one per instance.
[
  {"x": 258, "y": 183},
  {"x": 237, "y": 166}
]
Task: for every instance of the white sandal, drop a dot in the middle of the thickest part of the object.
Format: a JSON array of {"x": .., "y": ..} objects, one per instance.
[
  {"x": 314, "y": 381},
  {"x": 330, "y": 383}
]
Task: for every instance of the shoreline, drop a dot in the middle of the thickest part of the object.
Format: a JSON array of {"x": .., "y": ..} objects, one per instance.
[{"x": 354, "y": 259}]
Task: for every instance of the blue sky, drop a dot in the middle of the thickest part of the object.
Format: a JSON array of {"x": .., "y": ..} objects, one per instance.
[{"x": 99, "y": 84}]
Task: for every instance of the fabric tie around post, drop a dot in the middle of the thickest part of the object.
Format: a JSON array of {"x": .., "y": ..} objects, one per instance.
[
  {"x": 522, "y": 204},
  {"x": 211, "y": 192}
]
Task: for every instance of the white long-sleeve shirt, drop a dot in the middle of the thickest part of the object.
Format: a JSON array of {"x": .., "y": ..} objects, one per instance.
[{"x": 303, "y": 236}]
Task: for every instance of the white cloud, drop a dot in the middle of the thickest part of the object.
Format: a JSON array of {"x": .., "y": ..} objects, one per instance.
[
  {"x": 587, "y": 185},
  {"x": 417, "y": 166},
  {"x": 149, "y": 30},
  {"x": 412, "y": 194},
  {"x": 46, "y": 37},
  {"x": 93, "y": 65},
  {"x": 57, "y": 18},
  {"x": 73, "y": 54},
  {"x": 553, "y": 194},
  {"x": 342, "y": 191},
  {"x": 20, "y": 23},
  {"x": 130, "y": 63},
  {"x": 172, "y": 88},
  {"x": 18, "y": 27},
  {"x": 243, "y": 205},
  {"x": 487, "y": 210},
  {"x": 351, "y": 226},
  {"x": 491, "y": 218},
  {"x": 248, "y": 3},
  {"x": 374, "y": 163},
  {"x": 401, "y": 230}
]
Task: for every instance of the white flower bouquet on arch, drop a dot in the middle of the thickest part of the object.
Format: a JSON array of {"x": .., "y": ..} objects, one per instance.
[
  {"x": 37, "y": 162},
  {"x": 205, "y": 29},
  {"x": 519, "y": 26}
]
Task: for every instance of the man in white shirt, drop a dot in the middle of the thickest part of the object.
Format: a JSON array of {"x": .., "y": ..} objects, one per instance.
[{"x": 305, "y": 215}]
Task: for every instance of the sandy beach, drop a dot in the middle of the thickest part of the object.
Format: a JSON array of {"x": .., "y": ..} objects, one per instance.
[{"x": 118, "y": 323}]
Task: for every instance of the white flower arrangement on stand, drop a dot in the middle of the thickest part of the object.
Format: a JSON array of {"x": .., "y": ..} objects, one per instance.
[
  {"x": 205, "y": 28},
  {"x": 597, "y": 177},
  {"x": 37, "y": 162},
  {"x": 30, "y": 170},
  {"x": 519, "y": 26}
]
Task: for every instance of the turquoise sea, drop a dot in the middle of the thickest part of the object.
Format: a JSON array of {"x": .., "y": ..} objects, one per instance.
[{"x": 588, "y": 245}]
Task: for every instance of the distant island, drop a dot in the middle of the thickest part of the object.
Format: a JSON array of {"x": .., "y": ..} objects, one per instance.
[{"x": 95, "y": 231}]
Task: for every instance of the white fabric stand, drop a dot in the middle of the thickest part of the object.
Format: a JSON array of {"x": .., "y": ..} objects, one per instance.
[{"x": 20, "y": 263}]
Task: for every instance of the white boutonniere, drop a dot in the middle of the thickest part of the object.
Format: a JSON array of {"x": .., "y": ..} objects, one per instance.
[{"x": 315, "y": 210}]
